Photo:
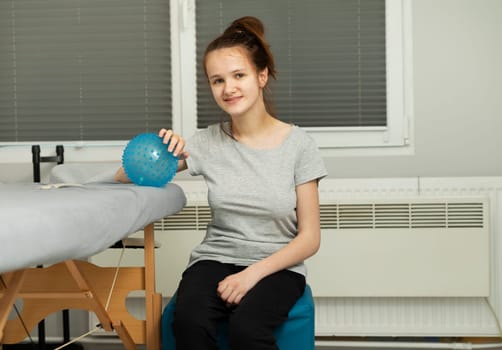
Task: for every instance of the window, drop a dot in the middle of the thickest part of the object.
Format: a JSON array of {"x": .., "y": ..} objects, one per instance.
[
  {"x": 340, "y": 66},
  {"x": 97, "y": 72},
  {"x": 83, "y": 70}
]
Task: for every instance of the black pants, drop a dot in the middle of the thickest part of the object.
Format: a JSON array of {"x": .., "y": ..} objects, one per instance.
[{"x": 251, "y": 322}]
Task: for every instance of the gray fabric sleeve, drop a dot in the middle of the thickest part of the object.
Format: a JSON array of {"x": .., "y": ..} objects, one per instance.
[
  {"x": 195, "y": 147},
  {"x": 309, "y": 164}
]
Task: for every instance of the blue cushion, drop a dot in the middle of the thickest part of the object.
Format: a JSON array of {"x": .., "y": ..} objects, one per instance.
[{"x": 296, "y": 333}]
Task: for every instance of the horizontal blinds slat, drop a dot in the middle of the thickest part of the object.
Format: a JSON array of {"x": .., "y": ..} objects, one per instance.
[
  {"x": 83, "y": 70},
  {"x": 330, "y": 57}
]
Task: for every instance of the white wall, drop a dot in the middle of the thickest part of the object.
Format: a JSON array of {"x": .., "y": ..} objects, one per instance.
[
  {"x": 457, "y": 68},
  {"x": 457, "y": 58}
]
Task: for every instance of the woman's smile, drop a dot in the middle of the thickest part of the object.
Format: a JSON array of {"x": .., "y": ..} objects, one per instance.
[{"x": 232, "y": 100}]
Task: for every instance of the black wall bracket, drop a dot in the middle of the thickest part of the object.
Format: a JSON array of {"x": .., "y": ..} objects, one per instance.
[{"x": 37, "y": 159}]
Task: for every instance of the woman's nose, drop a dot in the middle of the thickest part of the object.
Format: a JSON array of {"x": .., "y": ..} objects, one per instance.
[{"x": 229, "y": 89}]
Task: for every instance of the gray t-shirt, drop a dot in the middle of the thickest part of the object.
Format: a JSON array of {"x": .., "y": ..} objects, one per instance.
[{"x": 251, "y": 193}]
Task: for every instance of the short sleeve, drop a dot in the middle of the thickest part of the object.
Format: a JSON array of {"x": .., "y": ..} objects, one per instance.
[
  {"x": 195, "y": 146},
  {"x": 309, "y": 164}
]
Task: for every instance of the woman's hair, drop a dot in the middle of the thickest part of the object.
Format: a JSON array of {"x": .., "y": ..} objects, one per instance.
[{"x": 249, "y": 33}]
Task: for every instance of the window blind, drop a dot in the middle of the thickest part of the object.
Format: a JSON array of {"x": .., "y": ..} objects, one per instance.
[
  {"x": 330, "y": 58},
  {"x": 83, "y": 70}
]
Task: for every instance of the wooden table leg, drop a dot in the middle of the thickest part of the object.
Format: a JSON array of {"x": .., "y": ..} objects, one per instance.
[
  {"x": 124, "y": 336},
  {"x": 84, "y": 285},
  {"x": 9, "y": 297},
  {"x": 85, "y": 296},
  {"x": 153, "y": 300}
]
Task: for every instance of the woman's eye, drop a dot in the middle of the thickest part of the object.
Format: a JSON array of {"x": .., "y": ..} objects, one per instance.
[
  {"x": 217, "y": 81},
  {"x": 239, "y": 75}
]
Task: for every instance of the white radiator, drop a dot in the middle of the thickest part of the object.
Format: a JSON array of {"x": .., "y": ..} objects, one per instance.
[
  {"x": 399, "y": 257},
  {"x": 403, "y": 247}
]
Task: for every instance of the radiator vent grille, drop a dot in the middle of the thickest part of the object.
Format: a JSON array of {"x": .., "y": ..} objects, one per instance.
[
  {"x": 195, "y": 217},
  {"x": 360, "y": 216}
]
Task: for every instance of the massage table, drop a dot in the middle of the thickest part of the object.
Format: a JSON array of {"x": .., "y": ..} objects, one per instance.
[{"x": 59, "y": 226}]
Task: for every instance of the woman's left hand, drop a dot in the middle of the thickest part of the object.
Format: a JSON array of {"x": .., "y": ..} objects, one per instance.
[
  {"x": 234, "y": 287},
  {"x": 176, "y": 143}
]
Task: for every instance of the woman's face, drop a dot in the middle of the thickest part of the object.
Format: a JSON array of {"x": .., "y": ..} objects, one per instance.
[{"x": 236, "y": 85}]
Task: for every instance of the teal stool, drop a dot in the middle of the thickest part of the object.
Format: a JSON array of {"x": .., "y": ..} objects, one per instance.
[{"x": 297, "y": 333}]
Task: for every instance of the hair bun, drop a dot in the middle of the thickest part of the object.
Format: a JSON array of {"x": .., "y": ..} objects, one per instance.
[{"x": 247, "y": 24}]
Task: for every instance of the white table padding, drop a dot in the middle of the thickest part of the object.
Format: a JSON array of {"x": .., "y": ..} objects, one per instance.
[{"x": 46, "y": 226}]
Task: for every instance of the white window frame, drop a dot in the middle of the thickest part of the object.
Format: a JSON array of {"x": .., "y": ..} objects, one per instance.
[{"x": 392, "y": 139}]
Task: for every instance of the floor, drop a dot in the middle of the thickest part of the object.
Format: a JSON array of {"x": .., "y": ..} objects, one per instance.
[{"x": 111, "y": 343}]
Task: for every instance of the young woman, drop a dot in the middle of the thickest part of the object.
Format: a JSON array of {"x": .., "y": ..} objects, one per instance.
[{"x": 262, "y": 177}]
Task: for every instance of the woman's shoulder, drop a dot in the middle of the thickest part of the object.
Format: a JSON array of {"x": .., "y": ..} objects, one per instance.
[
  {"x": 212, "y": 134},
  {"x": 215, "y": 132},
  {"x": 301, "y": 136}
]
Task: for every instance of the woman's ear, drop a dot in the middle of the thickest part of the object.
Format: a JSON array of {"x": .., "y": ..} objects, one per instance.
[{"x": 263, "y": 78}]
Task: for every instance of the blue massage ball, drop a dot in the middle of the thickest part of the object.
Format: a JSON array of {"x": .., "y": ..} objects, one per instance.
[{"x": 147, "y": 162}]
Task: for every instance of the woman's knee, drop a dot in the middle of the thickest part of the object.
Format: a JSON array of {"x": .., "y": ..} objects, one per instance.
[
  {"x": 246, "y": 332},
  {"x": 193, "y": 331},
  {"x": 189, "y": 320}
]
